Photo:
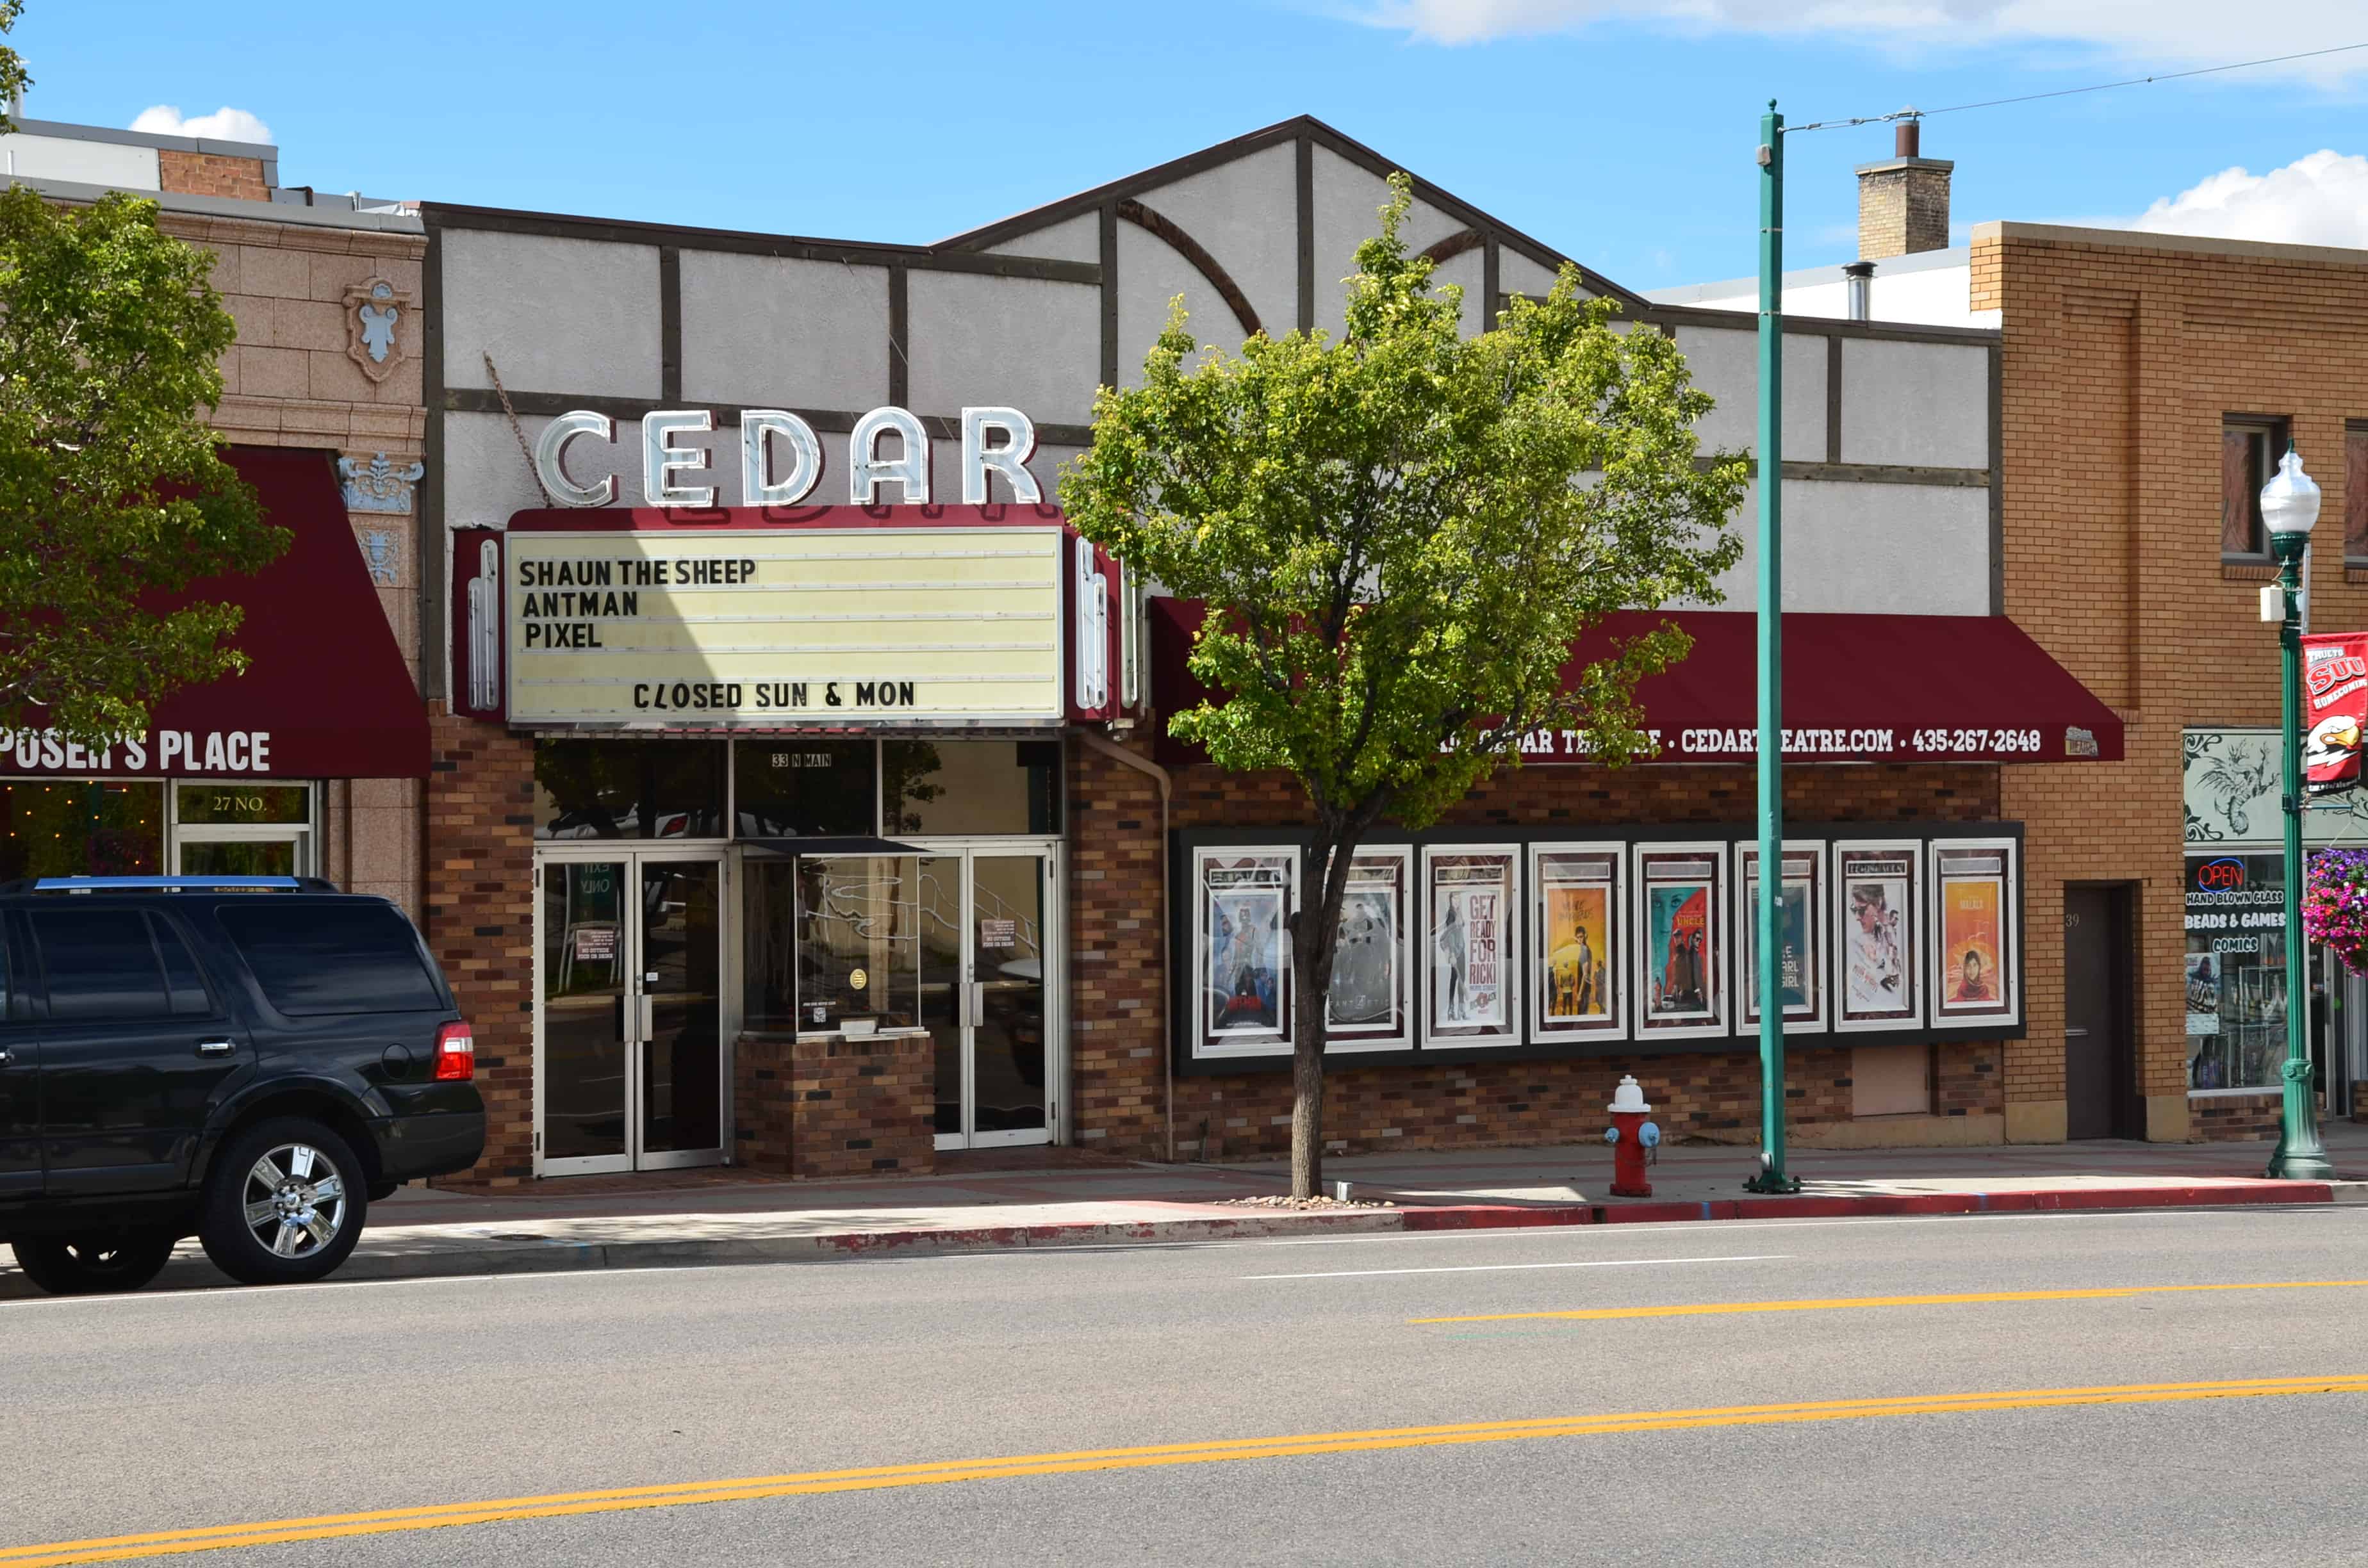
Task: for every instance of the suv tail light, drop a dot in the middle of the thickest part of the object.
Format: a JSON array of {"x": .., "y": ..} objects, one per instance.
[{"x": 456, "y": 1053}]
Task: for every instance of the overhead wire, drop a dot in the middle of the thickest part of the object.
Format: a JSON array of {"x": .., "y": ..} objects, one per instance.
[{"x": 2069, "y": 92}]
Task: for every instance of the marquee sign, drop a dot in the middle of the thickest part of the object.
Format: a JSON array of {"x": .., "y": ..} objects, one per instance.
[{"x": 931, "y": 617}]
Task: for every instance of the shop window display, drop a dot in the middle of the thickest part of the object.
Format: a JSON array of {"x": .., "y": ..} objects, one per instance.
[
  {"x": 80, "y": 827},
  {"x": 954, "y": 787},
  {"x": 2236, "y": 970},
  {"x": 830, "y": 943}
]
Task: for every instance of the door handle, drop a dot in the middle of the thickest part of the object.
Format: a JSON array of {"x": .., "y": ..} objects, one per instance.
[
  {"x": 2081, "y": 1033},
  {"x": 5, "y": 1057},
  {"x": 215, "y": 1048}
]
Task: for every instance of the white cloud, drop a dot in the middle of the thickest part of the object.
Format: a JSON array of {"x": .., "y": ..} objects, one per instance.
[
  {"x": 2175, "y": 32},
  {"x": 2321, "y": 200},
  {"x": 225, "y": 124}
]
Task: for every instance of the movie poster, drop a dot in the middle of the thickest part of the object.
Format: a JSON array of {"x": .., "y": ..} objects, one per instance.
[
  {"x": 1368, "y": 1008},
  {"x": 1679, "y": 990},
  {"x": 1973, "y": 932},
  {"x": 1473, "y": 901},
  {"x": 1245, "y": 979},
  {"x": 1577, "y": 968},
  {"x": 1875, "y": 913},
  {"x": 1801, "y": 957}
]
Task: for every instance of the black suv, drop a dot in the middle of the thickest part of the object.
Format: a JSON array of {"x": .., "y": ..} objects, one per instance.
[{"x": 251, "y": 1061}]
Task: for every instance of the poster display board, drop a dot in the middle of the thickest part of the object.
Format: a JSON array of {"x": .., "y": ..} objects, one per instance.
[
  {"x": 2335, "y": 709},
  {"x": 1472, "y": 899},
  {"x": 1878, "y": 919},
  {"x": 1681, "y": 981},
  {"x": 1242, "y": 949},
  {"x": 1801, "y": 955},
  {"x": 1371, "y": 1002},
  {"x": 1974, "y": 927},
  {"x": 1578, "y": 986}
]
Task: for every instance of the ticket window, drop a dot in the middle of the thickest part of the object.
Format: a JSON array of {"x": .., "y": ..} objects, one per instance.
[{"x": 244, "y": 830}]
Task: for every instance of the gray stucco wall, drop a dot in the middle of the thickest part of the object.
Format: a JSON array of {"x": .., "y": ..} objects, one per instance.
[
  {"x": 1924, "y": 403},
  {"x": 1025, "y": 343},
  {"x": 1862, "y": 549},
  {"x": 1073, "y": 239},
  {"x": 1348, "y": 200},
  {"x": 1246, "y": 213},
  {"x": 556, "y": 314},
  {"x": 765, "y": 331},
  {"x": 1726, "y": 365}
]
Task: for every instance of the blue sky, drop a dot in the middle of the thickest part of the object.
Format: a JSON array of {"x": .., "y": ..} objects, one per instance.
[{"x": 1618, "y": 131}]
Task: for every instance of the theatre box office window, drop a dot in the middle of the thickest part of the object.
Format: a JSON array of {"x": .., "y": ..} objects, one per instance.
[{"x": 1628, "y": 942}]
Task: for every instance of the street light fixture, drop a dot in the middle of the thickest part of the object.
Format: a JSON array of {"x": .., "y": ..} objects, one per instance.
[{"x": 2289, "y": 509}]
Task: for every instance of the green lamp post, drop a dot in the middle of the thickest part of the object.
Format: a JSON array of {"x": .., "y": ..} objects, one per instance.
[{"x": 2289, "y": 508}]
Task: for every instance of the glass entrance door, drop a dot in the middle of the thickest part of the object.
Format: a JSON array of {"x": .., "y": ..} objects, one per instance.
[
  {"x": 629, "y": 1038},
  {"x": 984, "y": 990}
]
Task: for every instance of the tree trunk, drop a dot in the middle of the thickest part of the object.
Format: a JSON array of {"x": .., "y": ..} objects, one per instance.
[{"x": 1311, "y": 997}]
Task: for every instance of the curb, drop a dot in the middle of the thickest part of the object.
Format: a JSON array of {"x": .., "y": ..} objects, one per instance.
[{"x": 559, "y": 1255}]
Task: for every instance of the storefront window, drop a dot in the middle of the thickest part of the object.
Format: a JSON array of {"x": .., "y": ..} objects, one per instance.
[
  {"x": 801, "y": 788},
  {"x": 80, "y": 827},
  {"x": 628, "y": 790},
  {"x": 829, "y": 942},
  {"x": 958, "y": 786},
  {"x": 2236, "y": 970}
]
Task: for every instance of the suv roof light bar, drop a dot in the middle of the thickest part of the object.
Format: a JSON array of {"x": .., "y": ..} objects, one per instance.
[{"x": 172, "y": 884}]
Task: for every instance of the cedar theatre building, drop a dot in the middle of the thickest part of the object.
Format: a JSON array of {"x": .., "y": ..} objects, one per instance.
[{"x": 800, "y": 793}]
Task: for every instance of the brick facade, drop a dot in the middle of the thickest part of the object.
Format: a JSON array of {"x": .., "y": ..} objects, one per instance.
[
  {"x": 2121, "y": 356},
  {"x": 1119, "y": 1081},
  {"x": 211, "y": 174}
]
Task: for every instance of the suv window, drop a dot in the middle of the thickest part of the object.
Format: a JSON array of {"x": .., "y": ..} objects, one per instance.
[
  {"x": 332, "y": 957},
  {"x": 101, "y": 963}
]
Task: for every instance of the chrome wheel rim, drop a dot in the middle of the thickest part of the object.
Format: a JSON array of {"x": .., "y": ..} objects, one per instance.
[{"x": 295, "y": 1200}]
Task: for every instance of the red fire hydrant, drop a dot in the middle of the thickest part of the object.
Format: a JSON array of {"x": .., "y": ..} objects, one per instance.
[{"x": 1631, "y": 1137}]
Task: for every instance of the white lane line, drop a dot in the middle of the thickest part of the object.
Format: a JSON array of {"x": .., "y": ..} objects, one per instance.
[{"x": 1505, "y": 1267}]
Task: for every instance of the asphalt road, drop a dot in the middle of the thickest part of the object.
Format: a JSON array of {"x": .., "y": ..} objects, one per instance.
[{"x": 183, "y": 1411}]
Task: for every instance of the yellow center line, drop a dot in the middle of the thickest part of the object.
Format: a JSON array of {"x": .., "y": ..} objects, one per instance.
[
  {"x": 1836, "y": 1303},
  {"x": 328, "y": 1527}
]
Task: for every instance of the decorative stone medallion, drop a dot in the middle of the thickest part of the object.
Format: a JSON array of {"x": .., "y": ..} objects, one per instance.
[
  {"x": 377, "y": 317},
  {"x": 377, "y": 485}
]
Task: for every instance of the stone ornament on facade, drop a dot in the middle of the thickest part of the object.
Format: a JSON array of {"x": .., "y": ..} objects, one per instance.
[
  {"x": 377, "y": 485},
  {"x": 375, "y": 312},
  {"x": 382, "y": 549}
]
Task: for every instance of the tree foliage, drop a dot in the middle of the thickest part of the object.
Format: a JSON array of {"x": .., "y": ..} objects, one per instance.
[
  {"x": 112, "y": 491},
  {"x": 1399, "y": 535}
]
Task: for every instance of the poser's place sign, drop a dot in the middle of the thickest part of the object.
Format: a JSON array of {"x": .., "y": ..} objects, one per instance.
[{"x": 786, "y": 627}]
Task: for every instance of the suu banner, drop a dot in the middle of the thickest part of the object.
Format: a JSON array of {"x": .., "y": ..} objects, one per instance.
[{"x": 2335, "y": 709}]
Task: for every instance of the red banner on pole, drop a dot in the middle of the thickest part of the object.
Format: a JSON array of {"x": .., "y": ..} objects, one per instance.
[{"x": 2335, "y": 709}]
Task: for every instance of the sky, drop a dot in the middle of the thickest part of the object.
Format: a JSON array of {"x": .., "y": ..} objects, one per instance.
[{"x": 1618, "y": 132}]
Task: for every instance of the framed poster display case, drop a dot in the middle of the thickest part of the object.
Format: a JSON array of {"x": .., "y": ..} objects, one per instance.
[
  {"x": 1577, "y": 957},
  {"x": 1243, "y": 897},
  {"x": 1472, "y": 901},
  {"x": 1800, "y": 916},
  {"x": 1680, "y": 941},
  {"x": 1371, "y": 1002},
  {"x": 1878, "y": 920},
  {"x": 1977, "y": 957}
]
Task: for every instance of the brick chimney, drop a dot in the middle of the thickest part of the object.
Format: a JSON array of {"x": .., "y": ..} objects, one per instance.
[{"x": 1902, "y": 205}]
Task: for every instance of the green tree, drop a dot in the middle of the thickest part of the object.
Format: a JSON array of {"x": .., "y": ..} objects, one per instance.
[
  {"x": 113, "y": 490},
  {"x": 1398, "y": 536}
]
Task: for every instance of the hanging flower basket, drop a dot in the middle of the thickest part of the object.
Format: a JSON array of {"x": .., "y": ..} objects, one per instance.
[{"x": 2335, "y": 905}]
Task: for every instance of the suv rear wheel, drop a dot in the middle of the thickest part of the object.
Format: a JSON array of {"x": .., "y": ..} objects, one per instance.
[
  {"x": 284, "y": 1204},
  {"x": 93, "y": 1262}
]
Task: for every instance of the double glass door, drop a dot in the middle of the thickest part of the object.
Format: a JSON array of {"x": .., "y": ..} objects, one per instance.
[
  {"x": 983, "y": 991},
  {"x": 630, "y": 1043}
]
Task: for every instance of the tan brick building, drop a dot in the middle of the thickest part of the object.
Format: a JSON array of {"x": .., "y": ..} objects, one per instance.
[
  {"x": 319, "y": 749},
  {"x": 2147, "y": 382}
]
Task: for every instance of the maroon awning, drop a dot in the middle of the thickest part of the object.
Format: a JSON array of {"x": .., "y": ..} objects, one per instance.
[
  {"x": 325, "y": 694},
  {"x": 1857, "y": 688}
]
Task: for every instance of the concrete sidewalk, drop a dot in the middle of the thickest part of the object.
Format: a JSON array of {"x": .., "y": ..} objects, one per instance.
[{"x": 718, "y": 1216}]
